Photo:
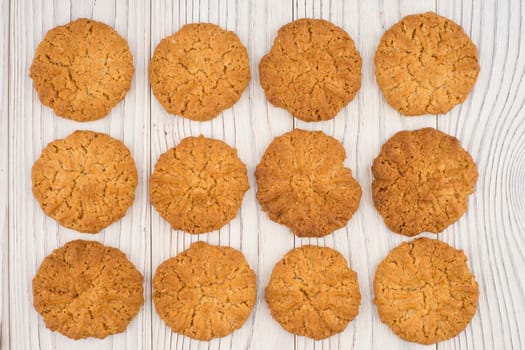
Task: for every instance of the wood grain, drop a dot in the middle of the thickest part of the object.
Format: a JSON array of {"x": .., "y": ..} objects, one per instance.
[
  {"x": 4, "y": 173},
  {"x": 490, "y": 124}
]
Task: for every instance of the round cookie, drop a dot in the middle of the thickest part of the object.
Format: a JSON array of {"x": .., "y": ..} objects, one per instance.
[
  {"x": 425, "y": 292},
  {"x": 422, "y": 180},
  {"x": 426, "y": 64},
  {"x": 85, "y": 289},
  {"x": 82, "y": 69},
  {"x": 199, "y": 71},
  {"x": 303, "y": 184},
  {"x": 198, "y": 186},
  {"x": 313, "y": 69},
  {"x": 205, "y": 292},
  {"x": 86, "y": 181},
  {"x": 312, "y": 292}
]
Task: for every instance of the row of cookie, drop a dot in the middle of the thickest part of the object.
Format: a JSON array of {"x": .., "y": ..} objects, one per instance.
[
  {"x": 422, "y": 179},
  {"x": 423, "y": 64},
  {"x": 424, "y": 291}
]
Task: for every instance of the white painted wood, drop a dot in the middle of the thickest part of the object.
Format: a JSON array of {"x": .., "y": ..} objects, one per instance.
[
  {"x": 490, "y": 124},
  {"x": 4, "y": 131}
]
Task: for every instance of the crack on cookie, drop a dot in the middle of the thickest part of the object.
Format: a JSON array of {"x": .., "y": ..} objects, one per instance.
[
  {"x": 205, "y": 292},
  {"x": 294, "y": 67},
  {"x": 78, "y": 296},
  {"x": 199, "y": 71},
  {"x": 422, "y": 179},
  {"x": 303, "y": 184},
  {"x": 85, "y": 181},
  {"x": 426, "y": 64},
  {"x": 421, "y": 286},
  {"x": 199, "y": 185},
  {"x": 313, "y": 283},
  {"x": 82, "y": 73}
]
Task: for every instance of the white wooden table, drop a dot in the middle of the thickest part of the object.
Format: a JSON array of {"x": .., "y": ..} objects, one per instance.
[{"x": 490, "y": 124}]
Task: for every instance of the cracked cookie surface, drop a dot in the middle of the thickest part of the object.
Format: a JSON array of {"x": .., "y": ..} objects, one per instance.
[
  {"x": 205, "y": 292},
  {"x": 86, "y": 181},
  {"x": 313, "y": 69},
  {"x": 422, "y": 180},
  {"x": 85, "y": 289},
  {"x": 199, "y": 71},
  {"x": 426, "y": 64},
  {"x": 82, "y": 69},
  {"x": 303, "y": 184},
  {"x": 425, "y": 292},
  {"x": 198, "y": 186},
  {"x": 312, "y": 292}
]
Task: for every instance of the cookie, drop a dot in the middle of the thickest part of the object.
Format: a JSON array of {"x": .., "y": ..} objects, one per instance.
[
  {"x": 198, "y": 186},
  {"x": 426, "y": 64},
  {"x": 312, "y": 292},
  {"x": 199, "y": 71},
  {"x": 205, "y": 292},
  {"x": 422, "y": 180},
  {"x": 85, "y": 289},
  {"x": 425, "y": 292},
  {"x": 303, "y": 184},
  {"x": 313, "y": 69},
  {"x": 86, "y": 181},
  {"x": 82, "y": 70}
]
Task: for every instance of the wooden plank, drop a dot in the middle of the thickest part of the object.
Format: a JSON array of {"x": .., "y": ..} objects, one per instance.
[
  {"x": 490, "y": 126},
  {"x": 249, "y": 126},
  {"x": 4, "y": 131},
  {"x": 32, "y": 126}
]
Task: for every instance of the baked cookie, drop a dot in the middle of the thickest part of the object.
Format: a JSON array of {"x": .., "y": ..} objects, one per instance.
[
  {"x": 198, "y": 186},
  {"x": 426, "y": 64},
  {"x": 422, "y": 180},
  {"x": 85, "y": 289},
  {"x": 313, "y": 69},
  {"x": 313, "y": 292},
  {"x": 303, "y": 184},
  {"x": 86, "y": 181},
  {"x": 205, "y": 292},
  {"x": 425, "y": 292},
  {"x": 82, "y": 69},
  {"x": 199, "y": 71}
]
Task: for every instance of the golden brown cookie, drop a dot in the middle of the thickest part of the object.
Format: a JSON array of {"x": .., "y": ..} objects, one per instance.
[
  {"x": 313, "y": 69},
  {"x": 313, "y": 292},
  {"x": 205, "y": 292},
  {"x": 82, "y": 69},
  {"x": 426, "y": 64},
  {"x": 422, "y": 180},
  {"x": 86, "y": 181},
  {"x": 85, "y": 289},
  {"x": 198, "y": 186},
  {"x": 425, "y": 292},
  {"x": 303, "y": 184},
  {"x": 199, "y": 71}
]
